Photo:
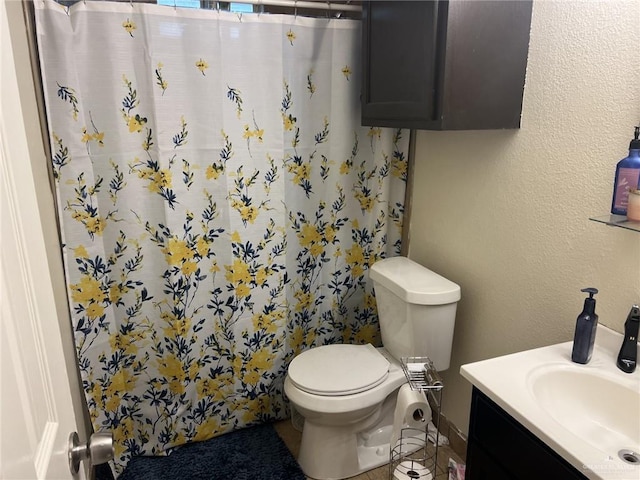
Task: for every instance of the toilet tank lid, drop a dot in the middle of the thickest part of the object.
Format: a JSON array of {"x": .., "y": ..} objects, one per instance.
[{"x": 414, "y": 283}]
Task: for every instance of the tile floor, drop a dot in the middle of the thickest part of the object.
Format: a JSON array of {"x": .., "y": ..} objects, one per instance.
[{"x": 292, "y": 437}]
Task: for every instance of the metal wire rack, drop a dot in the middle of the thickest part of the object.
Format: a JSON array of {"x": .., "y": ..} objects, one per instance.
[
  {"x": 415, "y": 456},
  {"x": 421, "y": 373}
]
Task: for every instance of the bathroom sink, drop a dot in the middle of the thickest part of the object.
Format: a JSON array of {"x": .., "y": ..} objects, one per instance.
[
  {"x": 588, "y": 414},
  {"x": 582, "y": 401}
]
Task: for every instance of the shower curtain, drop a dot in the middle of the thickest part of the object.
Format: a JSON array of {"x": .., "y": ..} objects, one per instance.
[{"x": 219, "y": 204}]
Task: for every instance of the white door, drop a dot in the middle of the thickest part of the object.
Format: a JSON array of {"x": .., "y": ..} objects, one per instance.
[{"x": 36, "y": 412}]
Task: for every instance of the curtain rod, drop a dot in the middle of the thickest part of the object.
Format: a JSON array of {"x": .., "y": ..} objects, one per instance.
[{"x": 338, "y": 7}]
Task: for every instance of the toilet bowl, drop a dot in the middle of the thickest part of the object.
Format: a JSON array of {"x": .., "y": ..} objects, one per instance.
[
  {"x": 346, "y": 434},
  {"x": 347, "y": 393}
]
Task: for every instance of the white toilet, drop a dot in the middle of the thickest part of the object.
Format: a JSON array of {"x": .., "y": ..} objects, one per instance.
[{"x": 347, "y": 393}]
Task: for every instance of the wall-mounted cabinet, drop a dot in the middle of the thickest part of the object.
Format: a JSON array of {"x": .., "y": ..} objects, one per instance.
[{"x": 444, "y": 65}]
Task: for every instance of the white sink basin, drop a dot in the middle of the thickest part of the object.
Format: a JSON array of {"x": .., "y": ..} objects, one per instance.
[
  {"x": 589, "y": 414},
  {"x": 595, "y": 407}
]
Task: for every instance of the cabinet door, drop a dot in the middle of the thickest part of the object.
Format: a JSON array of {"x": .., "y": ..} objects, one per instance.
[
  {"x": 504, "y": 448},
  {"x": 481, "y": 466},
  {"x": 401, "y": 62},
  {"x": 444, "y": 65}
]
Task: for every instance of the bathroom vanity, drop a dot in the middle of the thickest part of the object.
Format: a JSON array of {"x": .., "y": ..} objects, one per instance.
[
  {"x": 499, "y": 447},
  {"x": 536, "y": 414}
]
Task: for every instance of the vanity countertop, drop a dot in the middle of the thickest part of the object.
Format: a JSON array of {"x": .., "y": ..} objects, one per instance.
[{"x": 586, "y": 413}]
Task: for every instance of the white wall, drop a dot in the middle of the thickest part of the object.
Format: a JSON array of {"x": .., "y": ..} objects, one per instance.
[{"x": 505, "y": 213}]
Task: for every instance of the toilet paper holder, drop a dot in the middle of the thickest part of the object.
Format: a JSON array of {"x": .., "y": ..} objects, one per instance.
[{"x": 415, "y": 455}]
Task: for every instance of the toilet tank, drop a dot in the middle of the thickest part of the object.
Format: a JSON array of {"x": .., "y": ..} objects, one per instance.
[{"x": 416, "y": 310}]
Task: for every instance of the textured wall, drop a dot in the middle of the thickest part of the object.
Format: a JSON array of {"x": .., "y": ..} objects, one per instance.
[{"x": 505, "y": 213}]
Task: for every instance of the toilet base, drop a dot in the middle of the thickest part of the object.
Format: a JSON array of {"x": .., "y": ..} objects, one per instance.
[
  {"x": 337, "y": 452},
  {"x": 373, "y": 451},
  {"x": 344, "y": 453}
]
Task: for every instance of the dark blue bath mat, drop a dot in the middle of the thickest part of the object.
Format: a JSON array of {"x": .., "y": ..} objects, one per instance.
[{"x": 254, "y": 453}]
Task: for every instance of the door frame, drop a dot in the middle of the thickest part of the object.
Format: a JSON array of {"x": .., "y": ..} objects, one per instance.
[{"x": 21, "y": 36}]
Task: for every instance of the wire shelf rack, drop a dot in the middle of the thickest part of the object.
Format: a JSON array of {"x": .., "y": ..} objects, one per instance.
[
  {"x": 415, "y": 456},
  {"x": 421, "y": 373}
]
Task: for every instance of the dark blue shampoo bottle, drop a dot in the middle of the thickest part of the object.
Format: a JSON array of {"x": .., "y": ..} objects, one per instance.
[
  {"x": 627, "y": 176},
  {"x": 585, "y": 334}
]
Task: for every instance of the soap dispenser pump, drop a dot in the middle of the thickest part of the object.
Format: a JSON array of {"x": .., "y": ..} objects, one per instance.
[{"x": 585, "y": 333}]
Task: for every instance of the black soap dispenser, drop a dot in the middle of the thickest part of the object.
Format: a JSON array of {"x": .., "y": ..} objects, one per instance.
[{"x": 585, "y": 334}]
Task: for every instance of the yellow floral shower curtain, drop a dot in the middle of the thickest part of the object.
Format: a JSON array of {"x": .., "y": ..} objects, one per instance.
[{"x": 220, "y": 206}]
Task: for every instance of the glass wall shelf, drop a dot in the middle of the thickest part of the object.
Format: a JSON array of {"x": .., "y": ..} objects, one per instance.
[{"x": 618, "y": 221}]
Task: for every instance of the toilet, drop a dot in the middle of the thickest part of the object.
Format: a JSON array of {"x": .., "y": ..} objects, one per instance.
[{"x": 347, "y": 393}]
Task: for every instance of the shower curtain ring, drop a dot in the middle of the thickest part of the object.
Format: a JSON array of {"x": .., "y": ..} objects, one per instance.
[{"x": 328, "y": 9}]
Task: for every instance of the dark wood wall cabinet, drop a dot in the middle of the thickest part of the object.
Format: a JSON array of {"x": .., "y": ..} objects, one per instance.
[
  {"x": 444, "y": 64},
  {"x": 500, "y": 448}
]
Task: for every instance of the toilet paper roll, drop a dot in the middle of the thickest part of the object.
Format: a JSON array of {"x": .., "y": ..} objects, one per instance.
[
  {"x": 409, "y": 470},
  {"x": 412, "y": 411}
]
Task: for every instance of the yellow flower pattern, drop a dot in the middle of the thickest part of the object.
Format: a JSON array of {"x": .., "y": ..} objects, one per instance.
[
  {"x": 202, "y": 66},
  {"x": 211, "y": 235},
  {"x": 291, "y": 36},
  {"x": 129, "y": 26}
]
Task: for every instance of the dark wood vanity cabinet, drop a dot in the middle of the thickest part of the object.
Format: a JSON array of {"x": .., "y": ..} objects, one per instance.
[
  {"x": 444, "y": 64},
  {"x": 500, "y": 448}
]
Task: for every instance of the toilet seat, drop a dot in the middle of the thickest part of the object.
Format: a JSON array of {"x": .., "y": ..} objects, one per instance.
[{"x": 341, "y": 369}]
